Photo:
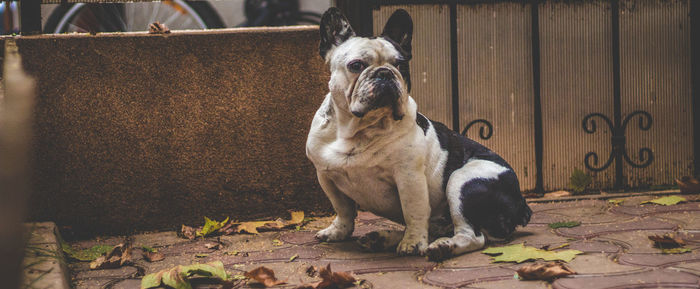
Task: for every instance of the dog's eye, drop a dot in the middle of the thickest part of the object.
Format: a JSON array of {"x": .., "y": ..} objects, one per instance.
[{"x": 357, "y": 66}]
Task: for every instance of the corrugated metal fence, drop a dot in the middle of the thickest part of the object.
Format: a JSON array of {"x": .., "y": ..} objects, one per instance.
[{"x": 601, "y": 86}]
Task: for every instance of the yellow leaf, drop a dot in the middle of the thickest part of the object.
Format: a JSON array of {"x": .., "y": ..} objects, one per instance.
[{"x": 666, "y": 201}]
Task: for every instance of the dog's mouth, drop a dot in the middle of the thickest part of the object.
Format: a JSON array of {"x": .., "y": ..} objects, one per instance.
[{"x": 379, "y": 90}]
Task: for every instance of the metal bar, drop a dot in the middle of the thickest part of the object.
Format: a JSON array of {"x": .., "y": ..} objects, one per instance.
[
  {"x": 30, "y": 17},
  {"x": 618, "y": 142},
  {"x": 695, "y": 66},
  {"x": 454, "y": 65},
  {"x": 536, "y": 78}
]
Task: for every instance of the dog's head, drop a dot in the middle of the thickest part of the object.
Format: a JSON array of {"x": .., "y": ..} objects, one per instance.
[{"x": 368, "y": 74}]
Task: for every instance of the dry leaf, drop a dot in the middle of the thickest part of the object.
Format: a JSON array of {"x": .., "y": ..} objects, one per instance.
[
  {"x": 544, "y": 271},
  {"x": 119, "y": 256},
  {"x": 158, "y": 28},
  {"x": 519, "y": 253},
  {"x": 666, "y": 241},
  {"x": 311, "y": 271},
  {"x": 256, "y": 226},
  {"x": 557, "y": 194},
  {"x": 213, "y": 246},
  {"x": 187, "y": 232},
  {"x": 264, "y": 275},
  {"x": 152, "y": 256},
  {"x": 688, "y": 184},
  {"x": 329, "y": 279}
]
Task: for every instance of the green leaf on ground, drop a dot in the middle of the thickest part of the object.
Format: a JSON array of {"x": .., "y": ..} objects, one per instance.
[
  {"x": 85, "y": 255},
  {"x": 666, "y": 201},
  {"x": 569, "y": 224},
  {"x": 680, "y": 250},
  {"x": 149, "y": 249},
  {"x": 178, "y": 276},
  {"x": 519, "y": 253},
  {"x": 616, "y": 201},
  {"x": 211, "y": 226}
]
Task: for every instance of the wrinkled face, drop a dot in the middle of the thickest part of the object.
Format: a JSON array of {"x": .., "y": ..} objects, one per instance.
[
  {"x": 365, "y": 75},
  {"x": 368, "y": 75}
]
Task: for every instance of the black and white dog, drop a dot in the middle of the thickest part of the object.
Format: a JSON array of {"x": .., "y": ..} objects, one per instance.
[{"x": 373, "y": 150}]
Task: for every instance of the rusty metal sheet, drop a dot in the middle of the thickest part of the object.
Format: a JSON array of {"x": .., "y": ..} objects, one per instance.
[
  {"x": 496, "y": 82},
  {"x": 577, "y": 79},
  {"x": 430, "y": 67},
  {"x": 656, "y": 77}
]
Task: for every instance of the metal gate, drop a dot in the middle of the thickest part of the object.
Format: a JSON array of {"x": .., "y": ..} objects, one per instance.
[{"x": 553, "y": 86}]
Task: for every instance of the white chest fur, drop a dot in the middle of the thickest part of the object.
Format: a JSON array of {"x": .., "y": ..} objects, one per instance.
[{"x": 363, "y": 167}]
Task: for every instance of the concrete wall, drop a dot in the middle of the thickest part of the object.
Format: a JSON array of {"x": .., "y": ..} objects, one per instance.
[{"x": 142, "y": 132}]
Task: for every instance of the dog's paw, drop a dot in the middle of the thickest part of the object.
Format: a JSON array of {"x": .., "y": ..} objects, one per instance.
[
  {"x": 380, "y": 241},
  {"x": 333, "y": 234},
  {"x": 412, "y": 245},
  {"x": 441, "y": 249}
]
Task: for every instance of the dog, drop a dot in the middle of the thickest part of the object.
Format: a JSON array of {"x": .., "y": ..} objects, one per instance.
[{"x": 373, "y": 151}]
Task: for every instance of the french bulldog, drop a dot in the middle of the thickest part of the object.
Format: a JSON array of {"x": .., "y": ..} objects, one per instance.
[{"x": 373, "y": 151}]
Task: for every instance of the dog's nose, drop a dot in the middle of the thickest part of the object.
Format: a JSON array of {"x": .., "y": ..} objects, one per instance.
[
  {"x": 383, "y": 74},
  {"x": 358, "y": 114}
]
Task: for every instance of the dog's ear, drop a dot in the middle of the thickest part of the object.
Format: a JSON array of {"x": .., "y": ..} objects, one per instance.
[
  {"x": 399, "y": 28},
  {"x": 335, "y": 29}
]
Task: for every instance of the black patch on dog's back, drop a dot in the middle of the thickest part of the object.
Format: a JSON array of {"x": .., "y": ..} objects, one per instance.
[
  {"x": 422, "y": 122},
  {"x": 460, "y": 150}
]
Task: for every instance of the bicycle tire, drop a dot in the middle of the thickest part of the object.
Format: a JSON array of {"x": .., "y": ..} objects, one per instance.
[{"x": 203, "y": 9}]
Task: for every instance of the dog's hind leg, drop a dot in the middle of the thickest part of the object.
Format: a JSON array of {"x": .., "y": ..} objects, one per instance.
[
  {"x": 461, "y": 182},
  {"x": 344, "y": 223}
]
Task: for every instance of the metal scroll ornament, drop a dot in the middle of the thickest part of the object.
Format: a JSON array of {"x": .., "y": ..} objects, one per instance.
[
  {"x": 485, "y": 131},
  {"x": 618, "y": 140}
]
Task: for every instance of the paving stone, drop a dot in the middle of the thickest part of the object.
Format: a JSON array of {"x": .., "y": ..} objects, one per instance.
[
  {"x": 590, "y": 213},
  {"x": 659, "y": 260},
  {"x": 471, "y": 259},
  {"x": 277, "y": 255},
  {"x": 189, "y": 248},
  {"x": 459, "y": 277},
  {"x": 693, "y": 267},
  {"x": 403, "y": 279},
  {"x": 598, "y": 264},
  {"x": 687, "y": 220},
  {"x": 350, "y": 250},
  {"x": 389, "y": 264},
  {"x": 511, "y": 284},
  {"x": 534, "y": 235},
  {"x": 653, "y": 209},
  {"x": 594, "y": 246},
  {"x": 127, "y": 284},
  {"x": 649, "y": 279},
  {"x": 589, "y": 231},
  {"x": 158, "y": 239},
  {"x": 93, "y": 283},
  {"x": 299, "y": 237},
  {"x": 123, "y": 272}
]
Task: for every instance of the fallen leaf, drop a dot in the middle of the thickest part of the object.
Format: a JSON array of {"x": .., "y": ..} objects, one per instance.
[
  {"x": 119, "y": 256},
  {"x": 211, "y": 226},
  {"x": 232, "y": 253},
  {"x": 557, "y": 194},
  {"x": 148, "y": 249},
  {"x": 291, "y": 259},
  {"x": 158, "y": 28},
  {"x": 520, "y": 253},
  {"x": 264, "y": 276},
  {"x": 213, "y": 246},
  {"x": 616, "y": 201},
  {"x": 89, "y": 254},
  {"x": 187, "y": 232},
  {"x": 675, "y": 251},
  {"x": 311, "y": 271},
  {"x": 569, "y": 224},
  {"x": 688, "y": 184},
  {"x": 329, "y": 279},
  {"x": 277, "y": 242},
  {"x": 201, "y": 255},
  {"x": 178, "y": 276},
  {"x": 666, "y": 201},
  {"x": 256, "y": 226},
  {"x": 667, "y": 240},
  {"x": 544, "y": 271},
  {"x": 153, "y": 256}
]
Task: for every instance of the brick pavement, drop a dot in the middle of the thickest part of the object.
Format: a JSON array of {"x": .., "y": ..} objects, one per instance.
[{"x": 617, "y": 252}]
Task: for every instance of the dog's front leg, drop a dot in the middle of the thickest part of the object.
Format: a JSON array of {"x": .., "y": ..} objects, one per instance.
[
  {"x": 344, "y": 223},
  {"x": 415, "y": 204}
]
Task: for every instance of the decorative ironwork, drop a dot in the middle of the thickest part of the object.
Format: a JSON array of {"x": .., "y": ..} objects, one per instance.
[
  {"x": 485, "y": 131},
  {"x": 618, "y": 141}
]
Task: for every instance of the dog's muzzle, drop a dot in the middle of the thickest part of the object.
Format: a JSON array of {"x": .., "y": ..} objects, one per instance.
[{"x": 384, "y": 91}]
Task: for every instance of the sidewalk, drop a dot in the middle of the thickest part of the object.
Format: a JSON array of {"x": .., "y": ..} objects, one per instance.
[{"x": 614, "y": 239}]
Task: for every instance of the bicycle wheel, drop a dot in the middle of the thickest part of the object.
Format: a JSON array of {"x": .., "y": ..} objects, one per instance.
[{"x": 122, "y": 17}]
